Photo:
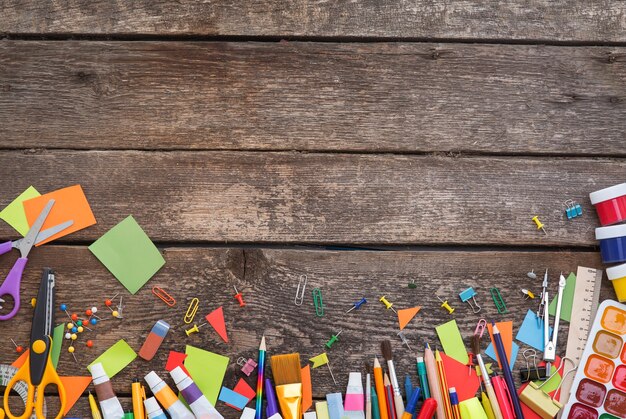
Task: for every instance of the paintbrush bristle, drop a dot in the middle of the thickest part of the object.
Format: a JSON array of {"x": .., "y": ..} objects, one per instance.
[
  {"x": 286, "y": 369},
  {"x": 476, "y": 344},
  {"x": 385, "y": 346}
]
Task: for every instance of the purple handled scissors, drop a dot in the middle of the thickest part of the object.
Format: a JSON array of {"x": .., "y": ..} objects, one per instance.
[{"x": 11, "y": 285}]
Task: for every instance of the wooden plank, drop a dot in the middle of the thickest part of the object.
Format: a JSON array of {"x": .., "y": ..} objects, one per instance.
[
  {"x": 251, "y": 197},
  {"x": 268, "y": 280},
  {"x": 600, "y": 21},
  {"x": 417, "y": 98}
]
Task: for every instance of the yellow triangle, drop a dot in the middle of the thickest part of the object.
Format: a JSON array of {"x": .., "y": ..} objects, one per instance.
[{"x": 406, "y": 315}]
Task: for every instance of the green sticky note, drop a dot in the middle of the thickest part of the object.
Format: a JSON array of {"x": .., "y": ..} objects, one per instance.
[
  {"x": 14, "y": 213},
  {"x": 568, "y": 299},
  {"x": 207, "y": 370},
  {"x": 57, "y": 342},
  {"x": 452, "y": 342},
  {"x": 116, "y": 358},
  {"x": 127, "y": 251}
]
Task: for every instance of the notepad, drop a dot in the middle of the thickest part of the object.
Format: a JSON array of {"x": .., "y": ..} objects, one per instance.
[
  {"x": 116, "y": 358},
  {"x": 14, "y": 213},
  {"x": 452, "y": 341},
  {"x": 207, "y": 370},
  {"x": 127, "y": 251},
  {"x": 69, "y": 204}
]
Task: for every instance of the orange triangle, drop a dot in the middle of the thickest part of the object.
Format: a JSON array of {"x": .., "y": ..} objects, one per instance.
[
  {"x": 20, "y": 361},
  {"x": 74, "y": 388},
  {"x": 216, "y": 319},
  {"x": 406, "y": 315}
]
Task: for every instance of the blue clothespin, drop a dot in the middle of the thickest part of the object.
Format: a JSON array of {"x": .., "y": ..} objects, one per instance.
[{"x": 467, "y": 296}]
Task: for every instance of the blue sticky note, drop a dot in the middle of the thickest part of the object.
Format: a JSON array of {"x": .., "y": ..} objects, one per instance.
[
  {"x": 335, "y": 405},
  {"x": 236, "y": 400},
  {"x": 531, "y": 331},
  {"x": 490, "y": 351}
]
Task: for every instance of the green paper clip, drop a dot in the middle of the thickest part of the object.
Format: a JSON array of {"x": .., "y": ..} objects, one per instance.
[
  {"x": 319, "y": 303},
  {"x": 498, "y": 301}
]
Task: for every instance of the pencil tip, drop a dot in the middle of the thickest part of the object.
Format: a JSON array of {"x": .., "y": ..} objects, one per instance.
[{"x": 262, "y": 345}]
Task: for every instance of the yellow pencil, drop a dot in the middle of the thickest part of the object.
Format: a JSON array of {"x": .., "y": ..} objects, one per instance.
[
  {"x": 95, "y": 412},
  {"x": 443, "y": 385}
]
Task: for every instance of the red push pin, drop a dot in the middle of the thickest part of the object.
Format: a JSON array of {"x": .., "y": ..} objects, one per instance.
[
  {"x": 239, "y": 297},
  {"x": 18, "y": 348}
]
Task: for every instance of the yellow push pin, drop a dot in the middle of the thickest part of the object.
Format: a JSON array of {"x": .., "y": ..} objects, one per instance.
[
  {"x": 387, "y": 304},
  {"x": 528, "y": 294},
  {"x": 194, "y": 329},
  {"x": 539, "y": 224},
  {"x": 445, "y": 305}
]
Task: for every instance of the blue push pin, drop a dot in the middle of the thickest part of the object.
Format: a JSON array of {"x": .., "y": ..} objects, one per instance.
[
  {"x": 358, "y": 304},
  {"x": 467, "y": 296}
]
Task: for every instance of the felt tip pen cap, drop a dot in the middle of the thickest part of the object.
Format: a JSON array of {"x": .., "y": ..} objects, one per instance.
[
  {"x": 152, "y": 379},
  {"x": 178, "y": 375},
  {"x": 97, "y": 370},
  {"x": 415, "y": 395},
  {"x": 151, "y": 405}
]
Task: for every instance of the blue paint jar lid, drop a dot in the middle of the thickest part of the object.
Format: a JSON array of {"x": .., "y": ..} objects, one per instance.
[
  {"x": 603, "y": 233},
  {"x": 616, "y": 272}
]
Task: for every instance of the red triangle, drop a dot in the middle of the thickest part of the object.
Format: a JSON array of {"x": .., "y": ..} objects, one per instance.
[
  {"x": 457, "y": 376},
  {"x": 74, "y": 388},
  {"x": 216, "y": 319},
  {"x": 406, "y": 315},
  {"x": 175, "y": 359}
]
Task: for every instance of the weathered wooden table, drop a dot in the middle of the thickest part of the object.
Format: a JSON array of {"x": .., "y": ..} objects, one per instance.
[{"x": 363, "y": 144}]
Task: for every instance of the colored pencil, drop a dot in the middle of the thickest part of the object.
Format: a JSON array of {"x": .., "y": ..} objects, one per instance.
[
  {"x": 259, "y": 381},
  {"x": 380, "y": 390},
  {"x": 454, "y": 402},
  {"x": 421, "y": 372},
  {"x": 398, "y": 402},
  {"x": 375, "y": 405},
  {"x": 506, "y": 371},
  {"x": 443, "y": 385},
  {"x": 391, "y": 411},
  {"x": 368, "y": 397},
  {"x": 433, "y": 381}
]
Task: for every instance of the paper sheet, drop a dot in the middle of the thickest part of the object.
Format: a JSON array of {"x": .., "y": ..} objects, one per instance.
[
  {"x": 70, "y": 204},
  {"x": 14, "y": 213},
  {"x": 245, "y": 390},
  {"x": 307, "y": 390},
  {"x": 568, "y": 299},
  {"x": 506, "y": 333},
  {"x": 457, "y": 376},
  {"x": 127, "y": 251},
  {"x": 491, "y": 353},
  {"x": 176, "y": 359},
  {"x": 57, "y": 342},
  {"x": 116, "y": 358},
  {"x": 531, "y": 331},
  {"x": 207, "y": 370},
  {"x": 74, "y": 388},
  {"x": 452, "y": 341},
  {"x": 233, "y": 399}
]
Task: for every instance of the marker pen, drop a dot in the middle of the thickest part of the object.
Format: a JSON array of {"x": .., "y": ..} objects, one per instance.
[
  {"x": 503, "y": 397},
  {"x": 421, "y": 372},
  {"x": 199, "y": 404},
  {"x": 153, "y": 409},
  {"x": 428, "y": 409},
  {"x": 110, "y": 405},
  {"x": 167, "y": 398}
]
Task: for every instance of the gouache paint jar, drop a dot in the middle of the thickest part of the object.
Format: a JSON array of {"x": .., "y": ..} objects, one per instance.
[
  {"x": 612, "y": 243},
  {"x": 610, "y": 204},
  {"x": 617, "y": 276}
]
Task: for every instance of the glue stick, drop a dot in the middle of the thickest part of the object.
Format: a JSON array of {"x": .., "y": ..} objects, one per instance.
[
  {"x": 199, "y": 404},
  {"x": 153, "y": 410},
  {"x": 167, "y": 398},
  {"x": 110, "y": 405}
]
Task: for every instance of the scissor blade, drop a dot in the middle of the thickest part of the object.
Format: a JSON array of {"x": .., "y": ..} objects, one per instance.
[
  {"x": 49, "y": 232},
  {"x": 29, "y": 240}
]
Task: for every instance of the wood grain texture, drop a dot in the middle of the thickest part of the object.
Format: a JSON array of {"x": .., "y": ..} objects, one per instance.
[
  {"x": 599, "y": 21},
  {"x": 252, "y": 197},
  {"x": 416, "y": 98},
  {"x": 268, "y": 280}
]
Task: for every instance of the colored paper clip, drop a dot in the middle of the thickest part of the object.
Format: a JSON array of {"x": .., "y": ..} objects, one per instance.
[
  {"x": 531, "y": 373},
  {"x": 539, "y": 401},
  {"x": 572, "y": 209},
  {"x": 247, "y": 365},
  {"x": 192, "y": 310},
  {"x": 480, "y": 328},
  {"x": 319, "y": 303},
  {"x": 498, "y": 301},
  {"x": 164, "y": 296},
  {"x": 300, "y": 292},
  {"x": 469, "y": 295}
]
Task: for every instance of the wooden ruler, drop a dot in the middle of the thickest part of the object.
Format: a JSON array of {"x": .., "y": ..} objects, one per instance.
[{"x": 586, "y": 300}]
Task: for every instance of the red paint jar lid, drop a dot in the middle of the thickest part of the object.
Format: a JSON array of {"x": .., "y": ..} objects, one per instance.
[{"x": 605, "y": 194}]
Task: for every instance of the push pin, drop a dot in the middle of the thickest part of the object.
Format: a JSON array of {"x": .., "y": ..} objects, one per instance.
[
  {"x": 18, "y": 348},
  {"x": 194, "y": 329},
  {"x": 404, "y": 339},
  {"x": 239, "y": 297},
  {"x": 468, "y": 296},
  {"x": 532, "y": 274},
  {"x": 387, "y": 304},
  {"x": 333, "y": 339},
  {"x": 539, "y": 224},
  {"x": 444, "y": 304},
  {"x": 412, "y": 284},
  {"x": 247, "y": 366},
  {"x": 528, "y": 294},
  {"x": 572, "y": 209},
  {"x": 357, "y": 305},
  {"x": 71, "y": 350},
  {"x": 63, "y": 307}
]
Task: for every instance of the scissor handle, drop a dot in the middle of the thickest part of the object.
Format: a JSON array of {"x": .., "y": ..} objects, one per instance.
[
  {"x": 22, "y": 374},
  {"x": 6, "y": 247},
  {"x": 50, "y": 376},
  {"x": 11, "y": 286}
]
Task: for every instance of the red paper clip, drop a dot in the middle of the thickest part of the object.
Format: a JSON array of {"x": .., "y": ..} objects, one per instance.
[{"x": 164, "y": 296}]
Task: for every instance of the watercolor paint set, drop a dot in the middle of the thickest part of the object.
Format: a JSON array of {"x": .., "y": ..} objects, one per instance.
[{"x": 599, "y": 387}]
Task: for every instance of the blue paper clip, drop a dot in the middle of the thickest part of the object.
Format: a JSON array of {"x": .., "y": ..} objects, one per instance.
[{"x": 467, "y": 296}]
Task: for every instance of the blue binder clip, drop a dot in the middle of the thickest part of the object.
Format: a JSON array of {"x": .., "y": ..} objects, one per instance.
[
  {"x": 467, "y": 296},
  {"x": 572, "y": 209}
]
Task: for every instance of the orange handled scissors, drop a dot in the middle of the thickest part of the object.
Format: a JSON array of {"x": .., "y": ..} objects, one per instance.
[{"x": 38, "y": 371}]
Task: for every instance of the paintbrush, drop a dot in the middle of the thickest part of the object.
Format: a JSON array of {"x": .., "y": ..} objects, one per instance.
[
  {"x": 288, "y": 380},
  {"x": 397, "y": 395},
  {"x": 368, "y": 392}
]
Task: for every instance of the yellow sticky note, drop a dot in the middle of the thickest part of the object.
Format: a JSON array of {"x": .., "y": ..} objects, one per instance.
[
  {"x": 116, "y": 358},
  {"x": 452, "y": 342},
  {"x": 321, "y": 408},
  {"x": 14, "y": 213},
  {"x": 207, "y": 370}
]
